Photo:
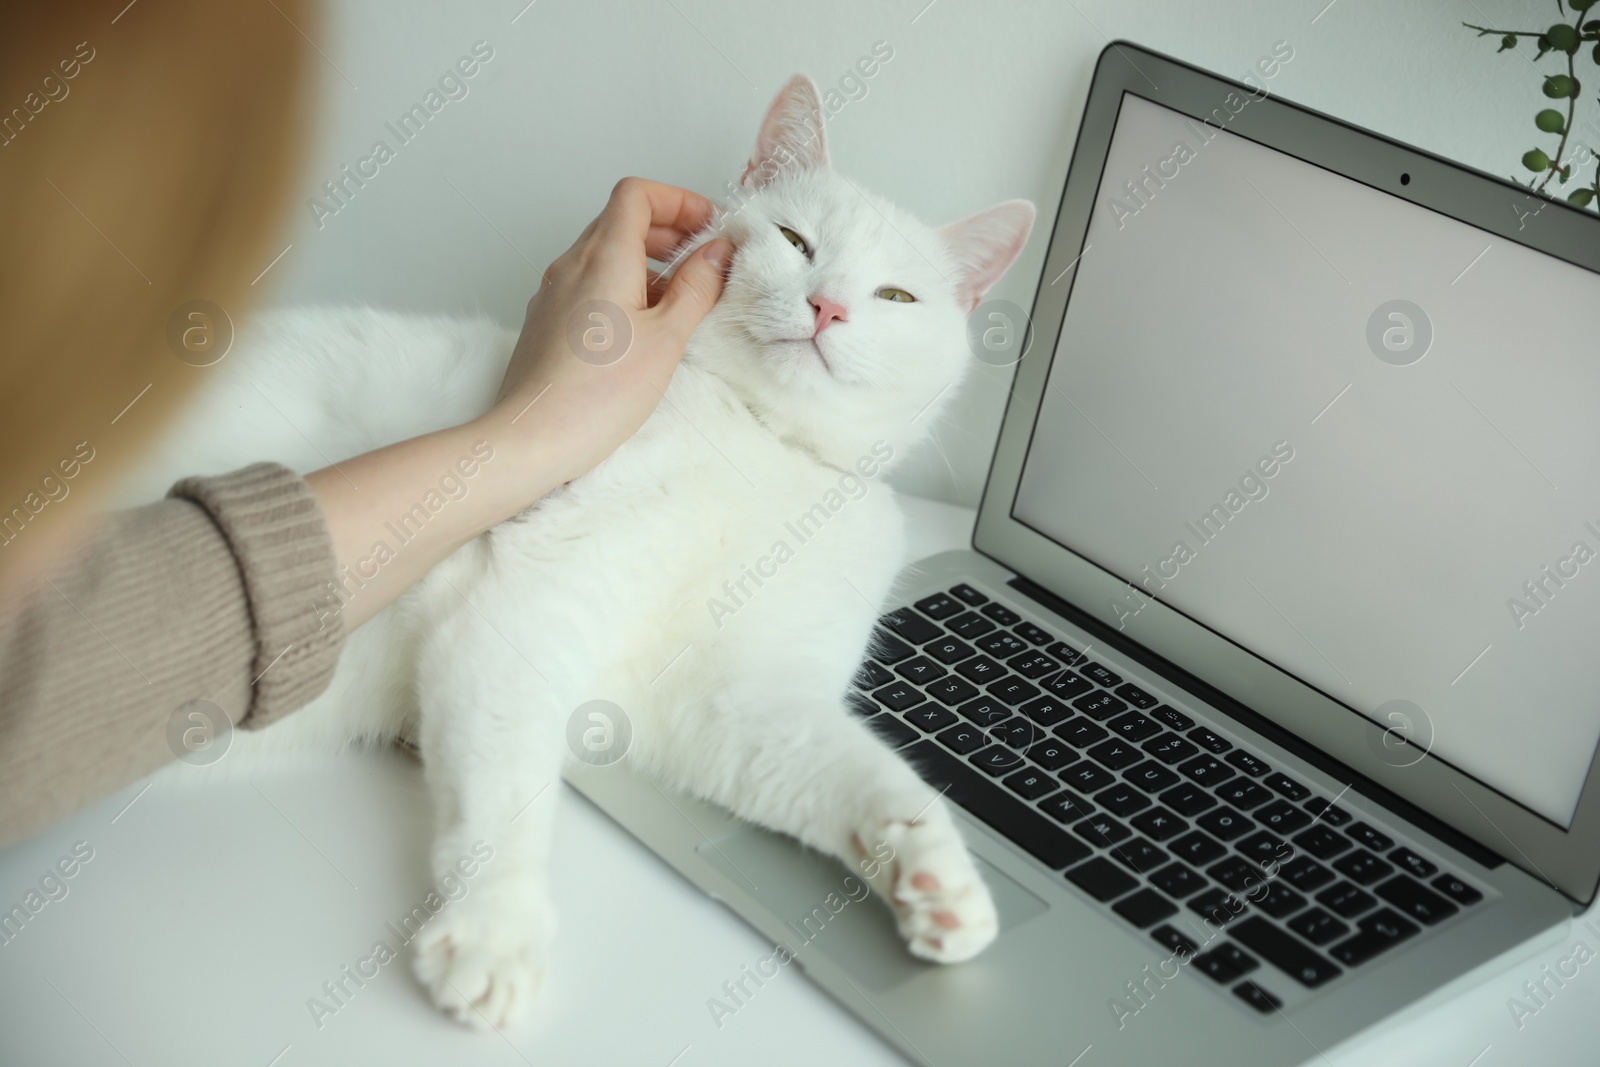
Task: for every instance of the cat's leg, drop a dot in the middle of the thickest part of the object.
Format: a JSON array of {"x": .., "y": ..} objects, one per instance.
[
  {"x": 492, "y": 743},
  {"x": 796, "y": 761}
]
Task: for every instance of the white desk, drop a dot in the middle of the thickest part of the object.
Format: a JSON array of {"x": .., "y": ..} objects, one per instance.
[{"x": 208, "y": 917}]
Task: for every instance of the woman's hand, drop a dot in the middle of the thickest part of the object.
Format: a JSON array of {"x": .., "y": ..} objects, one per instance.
[
  {"x": 577, "y": 387},
  {"x": 597, "y": 348}
]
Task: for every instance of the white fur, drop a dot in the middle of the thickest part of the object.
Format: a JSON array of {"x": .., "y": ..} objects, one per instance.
[{"x": 604, "y": 589}]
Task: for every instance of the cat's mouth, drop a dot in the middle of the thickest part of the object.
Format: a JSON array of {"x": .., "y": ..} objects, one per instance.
[{"x": 811, "y": 342}]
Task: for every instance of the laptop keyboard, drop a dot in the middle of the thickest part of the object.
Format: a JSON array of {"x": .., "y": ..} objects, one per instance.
[{"x": 1138, "y": 806}]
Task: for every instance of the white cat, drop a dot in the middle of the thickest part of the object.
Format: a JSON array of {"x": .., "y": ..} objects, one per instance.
[{"x": 717, "y": 578}]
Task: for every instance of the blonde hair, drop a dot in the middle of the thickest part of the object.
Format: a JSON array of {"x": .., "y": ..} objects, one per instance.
[{"x": 145, "y": 159}]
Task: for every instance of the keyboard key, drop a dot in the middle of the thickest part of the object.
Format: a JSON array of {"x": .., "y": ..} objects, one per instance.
[
  {"x": 1218, "y": 905},
  {"x": 1099, "y": 705},
  {"x": 981, "y": 669},
  {"x": 920, "y": 669},
  {"x": 970, "y": 625},
  {"x": 1225, "y": 963},
  {"x": 1380, "y": 930},
  {"x": 1150, "y": 776},
  {"x": 1416, "y": 901},
  {"x": 1318, "y": 927},
  {"x": 1209, "y": 741},
  {"x": 1186, "y": 798},
  {"x": 1177, "y": 880},
  {"x": 985, "y": 711},
  {"x": 1136, "y": 696},
  {"x": 1323, "y": 811},
  {"x": 1002, "y": 644},
  {"x": 951, "y": 690},
  {"x": 1169, "y": 748},
  {"x": 1362, "y": 867},
  {"x": 1346, "y": 900},
  {"x": 1030, "y": 784},
  {"x": 1086, "y": 776},
  {"x": 1033, "y": 664},
  {"x": 872, "y": 675},
  {"x": 1457, "y": 890},
  {"x": 1173, "y": 718},
  {"x": 968, "y": 595},
  {"x": 996, "y": 759},
  {"x": 1012, "y": 690},
  {"x": 1284, "y": 952},
  {"x": 911, "y": 626},
  {"x": 1067, "y": 685},
  {"x": 963, "y": 739},
  {"x": 1139, "y": 854},
  {"x": 1243, "y": 794},
  {"x": 1122, "y": 799},
  {"x": 1322, "y": 842},
  {"x": 895, "y": 732},
  {"x": 1115, "y": 754},
  {"x": 1002, "y": 614},
  {"x": 1017, "y": 733},
  {"x": 1064, "y": 652},
  {"x": 1265, "y": 848},
  {"x": 1133, "y": 727},
  {"x": 1279, "y": 901},
  {"x": 1102, "y": 831},
  {"x": 939, "y": 606},
  {"x": 1282, "y": 783},
  {"x": 1225, "y": 823},
  {"x": 1029, "y": 632},
  {"x": 1305, "y": 874},
  {"x": 1170, "y": 937},
  {"x": 898, "y": 696},
  {"x": 1100, "y": 674},
  {"x": 1280, "y": 815},
  {"x": 1415, "y": 864},
  {"x": 1158, "y": 824},
  {"x": 1239, "y": 875},
  {"x": 1197, "y": 848},
  {"x": 1066, "y": 806},
  {"x": 985, "y": 800},
  {"x": 1046, "y": 711},
  {"x": 1080, "y": 732},
  {"x": 1257, "y": 998},
  {"x": 1101, "y": 879},
  {"x": 949, "y": 650},
  {"x": 930, "y": 717},
  {"x": 1052, "y": 755},
  {"x": 1145, "y": 908},
  {"x": 887, "y": 648},
  {"x": 1373, "y": 839},
  {"x": 1207, "y": 771},
  {"x": 1247, "y": 763}
]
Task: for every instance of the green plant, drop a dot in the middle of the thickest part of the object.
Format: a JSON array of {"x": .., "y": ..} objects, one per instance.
[{"x": 1563, "y": 39}]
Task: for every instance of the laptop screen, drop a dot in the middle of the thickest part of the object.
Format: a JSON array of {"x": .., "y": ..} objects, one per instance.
[{"x": 1357, "y": 438}]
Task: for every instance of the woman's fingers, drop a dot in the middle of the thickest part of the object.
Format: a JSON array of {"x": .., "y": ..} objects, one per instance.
[
  {"x": 694, "y": 288},
  {"x": 637, "y": 204}
]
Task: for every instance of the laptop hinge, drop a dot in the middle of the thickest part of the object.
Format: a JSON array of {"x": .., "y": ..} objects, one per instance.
[{"x": 1260, "y": 724}]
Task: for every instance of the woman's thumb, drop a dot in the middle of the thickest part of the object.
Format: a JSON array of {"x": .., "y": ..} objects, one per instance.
[{"x": 695, "y": 286}]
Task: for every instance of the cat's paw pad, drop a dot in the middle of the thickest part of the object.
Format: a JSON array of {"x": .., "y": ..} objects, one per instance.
[
  {"x": 940, "y": 903},
  {"x": 477, "y": 975}
]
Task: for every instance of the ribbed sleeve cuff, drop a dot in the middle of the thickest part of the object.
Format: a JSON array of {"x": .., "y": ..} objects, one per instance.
[{"x": 278, "y": 535}]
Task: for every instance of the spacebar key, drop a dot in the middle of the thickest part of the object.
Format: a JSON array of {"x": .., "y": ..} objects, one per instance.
[
  {"x": 1284, "y": 952},
  {"x": 980, "y": 796}
]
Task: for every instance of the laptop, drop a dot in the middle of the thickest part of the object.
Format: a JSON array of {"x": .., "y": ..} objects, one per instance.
[{"x": 1266, "y": 692}]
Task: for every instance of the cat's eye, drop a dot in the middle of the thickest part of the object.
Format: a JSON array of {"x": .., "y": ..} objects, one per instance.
[
  {"x": 796, "y": 240},
  {"x": 899, "y": 296}
]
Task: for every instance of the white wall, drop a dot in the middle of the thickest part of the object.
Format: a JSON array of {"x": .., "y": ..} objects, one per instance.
[{"x": 980, "y": 103}]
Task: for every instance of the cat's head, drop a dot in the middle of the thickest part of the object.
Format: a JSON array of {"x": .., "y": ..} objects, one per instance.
[{"x": 843, "y": 320}]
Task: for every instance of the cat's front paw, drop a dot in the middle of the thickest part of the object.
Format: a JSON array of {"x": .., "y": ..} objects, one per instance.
[
  {"x": 922, "y": 868},
  {"x": 482, "y": 970}
]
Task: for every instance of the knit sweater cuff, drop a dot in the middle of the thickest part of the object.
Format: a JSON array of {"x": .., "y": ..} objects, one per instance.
[{"x": 278, "y": 535}]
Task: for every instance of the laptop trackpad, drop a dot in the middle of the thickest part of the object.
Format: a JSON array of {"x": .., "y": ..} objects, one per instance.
[{"x": 827, "y": 909}]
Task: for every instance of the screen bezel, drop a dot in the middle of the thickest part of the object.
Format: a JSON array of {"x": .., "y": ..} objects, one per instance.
[{"x": 1567, "y": 859}]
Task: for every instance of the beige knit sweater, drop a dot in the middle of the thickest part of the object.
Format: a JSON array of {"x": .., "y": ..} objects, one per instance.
[{"x": 206, "y": 595}]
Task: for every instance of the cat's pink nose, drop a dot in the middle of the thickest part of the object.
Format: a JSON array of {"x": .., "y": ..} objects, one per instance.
[{"x": 828, "y": 313}]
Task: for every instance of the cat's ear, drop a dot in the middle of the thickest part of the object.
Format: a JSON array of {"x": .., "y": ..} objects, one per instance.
[
  {"x": 985, "y": 245},
  {"x": 791, "y": 137}
]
